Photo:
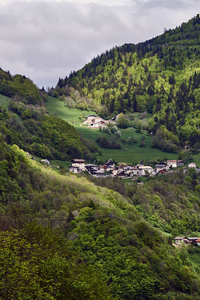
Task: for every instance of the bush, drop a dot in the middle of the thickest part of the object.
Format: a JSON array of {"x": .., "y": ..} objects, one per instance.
[{"x": 109, "y": 143}]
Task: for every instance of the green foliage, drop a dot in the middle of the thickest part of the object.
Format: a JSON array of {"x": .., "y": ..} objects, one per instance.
[
  {"x": 20, "y": 86},
  {"x": 109, "y": 143},
  {"x": 165, "y": 140},
  {"x": 108, "y": 250},
  {"x": 42, "y": 135},
  {"x": 171, "y": 202},
  {"x": 150, "y": 76},
  {"x": 122, "y": 122},
  {"x": 36, "y": 264}
]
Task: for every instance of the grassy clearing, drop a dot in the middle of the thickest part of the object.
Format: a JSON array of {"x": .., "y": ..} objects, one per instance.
[
  {"x": 127, "y": 154},
  {"x": 4, "y": 101},
  {"x": 59, "y": 108},
  {"x": 194, "y": 258},
  {"x": 197, "y": 159}
]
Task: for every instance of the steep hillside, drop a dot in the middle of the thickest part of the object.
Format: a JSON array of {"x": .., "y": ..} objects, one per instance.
[
  {"x": 26, "y": 123},
  {"x": 19, "y": 86},
  {"x": 104, "y": 235},
  {"x": 160, "y": 76},
  {"x": 32, "y": 129}
]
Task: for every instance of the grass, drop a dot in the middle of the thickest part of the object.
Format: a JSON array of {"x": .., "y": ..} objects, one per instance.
[
  {"x": 194, "y": 258},
  {"x": 197, "y": 159},
  {"x": 4, "y": 101},
  {"x": 59, "y": 108},
  {"x": 61, "y": 164},
  {"x": 127, "y": 154}
]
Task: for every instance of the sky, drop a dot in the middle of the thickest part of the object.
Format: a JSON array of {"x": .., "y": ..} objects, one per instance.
[{"x": 47, "y": 39}]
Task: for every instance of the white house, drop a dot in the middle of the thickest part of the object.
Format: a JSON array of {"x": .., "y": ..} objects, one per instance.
[
  {"x": 180, "y": 239},
  {"x": 172, "y": 163},
  {"x": 79, "y": 163},
  {"x": 143, "y": 170},
  {"x": 46, "y": 162},
  {"x": 95, "y": 121},
  {"x": 161, "y": 167},
  {"x": 74, "y": 169},
  {"x": 192, "y": 165}
]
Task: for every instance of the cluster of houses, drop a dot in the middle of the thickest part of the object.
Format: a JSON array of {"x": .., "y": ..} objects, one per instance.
[
  {"x": 93, "y": 121},
  {"x": 124, "y": 171},
  {"x": 179, "y": 240}
]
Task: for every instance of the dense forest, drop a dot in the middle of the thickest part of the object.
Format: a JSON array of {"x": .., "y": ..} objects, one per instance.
[
  {"x": 19, "y": 86},
  {"x": 63, "y": 236},
  {"x": 32, "y": 129},
  {"x": 160, "y": 76}
]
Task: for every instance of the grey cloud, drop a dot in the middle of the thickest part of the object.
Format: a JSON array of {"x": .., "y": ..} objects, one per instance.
[{"x": 46, "y": 40}]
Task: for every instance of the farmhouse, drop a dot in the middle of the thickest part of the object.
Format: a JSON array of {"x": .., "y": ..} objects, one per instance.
[
  {"x": 180, "y": 239},
  {"x": 172, "y": 163},
  {"x": 180, "y": 163},
  {"x": 163, "y": 171},
  {"x": 74, "y": 169},
  {"x": 143, "y": 170},
  {"x": 78, "y": 163},
  {"x": 187, "y": 240},
  {"x": 161, "y": 167},
  {"x": 94, "y": 121},
  {"x": 45, "y": 161},
  {"x": 192, "y": 165}
]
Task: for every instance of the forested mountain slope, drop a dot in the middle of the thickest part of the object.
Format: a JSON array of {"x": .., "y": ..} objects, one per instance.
[
  {"x": 19, "y": 86},
  {"x": 25, "y": 122},
  {"x": 104, "y": 234},
  {"x": 160, "y": 76},
  {"x": 32, "y": 129}
]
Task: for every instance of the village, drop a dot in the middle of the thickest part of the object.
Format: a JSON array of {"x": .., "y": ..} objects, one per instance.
[{"x": 109, "y": 169}]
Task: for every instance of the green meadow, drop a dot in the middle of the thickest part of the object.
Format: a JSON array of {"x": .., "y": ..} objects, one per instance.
[
  {"x": 4, "y": 101},
  {"x": 127, "y": 154},
  {"x": 57, "y": 107}
]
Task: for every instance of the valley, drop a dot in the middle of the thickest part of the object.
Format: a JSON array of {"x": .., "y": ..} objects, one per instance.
[{"x": 71, "y": 235}]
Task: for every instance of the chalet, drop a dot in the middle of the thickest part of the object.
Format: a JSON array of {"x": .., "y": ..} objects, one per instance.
[
  {"x": 99, "y": 173},
  {"x": 104, "y": 168},
  {"x": 160, "y": 167},
  {"x": 180, "y": 239},
  {"x": 135, "y": 171},
  {"x": 117, "y": 170},
  {"x": 192, "y": 165},
  {"x": 91, "y": 168},
  {"x": 187, "y": 240},
  {"x": 192, "y": 240},
  {"x": 78, "y": 163},
  {"x": 172, "y": 163},
  {"x": 128, "y": 170},
  {"x": 108, "y": 166},
  {"x": 74, "y": 169},
  {"x": 122, "y": 174},
  {"x": 180, "y": 163},
  {"x": 45, "y": 161},
  {"x": 163, "y": 171},
  {"x": 143, "y": 170},
  {"x": 90, "y": 119},
  {"x": 94, "y": 121}
]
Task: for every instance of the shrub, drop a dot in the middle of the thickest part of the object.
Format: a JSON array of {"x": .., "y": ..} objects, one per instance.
[{"x": 109, "y": 143}]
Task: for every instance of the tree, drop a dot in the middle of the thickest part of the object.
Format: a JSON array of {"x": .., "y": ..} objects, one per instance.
[{"x": 122, "y": 122}]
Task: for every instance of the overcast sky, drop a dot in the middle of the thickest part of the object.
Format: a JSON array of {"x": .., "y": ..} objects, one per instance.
[{"x": 46, "y": 39}]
